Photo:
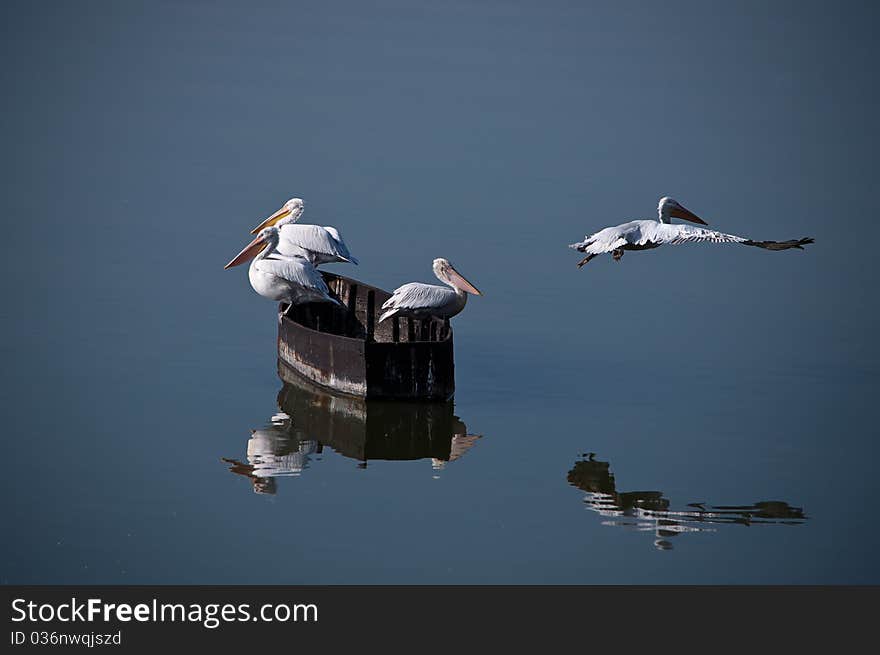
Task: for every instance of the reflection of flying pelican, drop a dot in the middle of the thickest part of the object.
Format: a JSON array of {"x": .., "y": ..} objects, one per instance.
[
  {"x": 426, "y": 300},
  {"x": 644, "y": 235},
  {"x": 293, "y": 280},
  {"x": 320, "y": 245},
  {"x": 649, "y": 511}
]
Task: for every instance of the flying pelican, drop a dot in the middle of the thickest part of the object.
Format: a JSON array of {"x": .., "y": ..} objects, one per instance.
[
  {"x": 293, "y": 280},
  {"x": 320, "y": 245},
  {"x": 644, "y": 235},
  {"x": 423, "y": 300}
]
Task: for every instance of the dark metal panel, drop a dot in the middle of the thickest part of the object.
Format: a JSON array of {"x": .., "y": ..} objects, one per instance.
[
  {"x": 329, "y": 360},
  {"x": 411, "y": 370},
  {"x": 347, "y": 350}
]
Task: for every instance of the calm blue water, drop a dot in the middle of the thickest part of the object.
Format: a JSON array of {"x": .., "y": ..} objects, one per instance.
[{"x": 593, "y": 406}]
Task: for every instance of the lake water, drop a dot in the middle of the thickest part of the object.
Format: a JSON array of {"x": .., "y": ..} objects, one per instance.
[{"x": 693, "y": 414}]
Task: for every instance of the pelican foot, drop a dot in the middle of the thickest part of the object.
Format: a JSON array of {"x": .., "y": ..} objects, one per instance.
[{"x": 617, "y": 254}]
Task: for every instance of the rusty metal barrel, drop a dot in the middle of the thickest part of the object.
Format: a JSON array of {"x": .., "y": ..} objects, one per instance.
[{"x": 346, "y": 349}]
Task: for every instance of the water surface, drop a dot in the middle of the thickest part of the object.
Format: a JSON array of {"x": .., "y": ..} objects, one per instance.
[{"x": 699, "y": 414}]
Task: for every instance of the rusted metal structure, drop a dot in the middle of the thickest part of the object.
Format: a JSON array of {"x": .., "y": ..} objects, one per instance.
[{"x": 347, "y": 350}]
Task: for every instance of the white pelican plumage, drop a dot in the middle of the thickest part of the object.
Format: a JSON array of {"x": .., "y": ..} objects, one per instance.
[
  {"x": 293, "y": 280},
  {"x": 644, "y": 235},
  {"x": 425, "y": 300},
  {"x": 319, "y": 244}
]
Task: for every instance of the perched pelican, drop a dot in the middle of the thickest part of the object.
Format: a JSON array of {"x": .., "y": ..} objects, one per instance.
[
  {"x": 320, "y": 245},
  {"x": 424, "y": 300},
  {"x": 644, "y": 235},
  {"x": 293, "y": 280}
]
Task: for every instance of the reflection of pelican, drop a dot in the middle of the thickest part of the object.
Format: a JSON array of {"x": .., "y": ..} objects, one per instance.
[
  {"x": 644, "y": 235},
  {"x": 320, "y": 245},
  {"x": 461, "y": 443},
  {"x": 293, "y": 280},
  {"x": 649, "y": 511},
  {"x": 426, "y": 300},
  {"x": 359, "y": 429},
  {"x": 273, "y": 452}
]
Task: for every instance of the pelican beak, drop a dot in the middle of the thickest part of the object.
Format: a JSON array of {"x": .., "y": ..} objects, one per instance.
[
  {"x": 687, "y": 215},
  {"x": 458, "y": 281},
  {"x": 250, "y": 251},
  {"x": 274, "y": 218}
]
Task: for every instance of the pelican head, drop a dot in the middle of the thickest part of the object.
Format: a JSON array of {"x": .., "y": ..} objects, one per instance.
[
  {"x": 267, "y": 238},
  {"x": 290, "y": 212},
  {"x": 445, "y": 272},
  {"x": 669, "y": 208}
]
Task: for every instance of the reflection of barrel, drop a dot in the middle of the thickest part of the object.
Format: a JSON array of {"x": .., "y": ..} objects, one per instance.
[
  {"x": 371, "y": 429},
  {"x": 346, "y": 349}
]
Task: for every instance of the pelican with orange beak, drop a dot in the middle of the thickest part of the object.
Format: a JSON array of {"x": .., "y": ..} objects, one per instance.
[
  {"x": 320, "y": 245},
  {"x": 420, "y": 300},
  {"x": 293, "y": 280},
  {"x": 644, "y": 235}
]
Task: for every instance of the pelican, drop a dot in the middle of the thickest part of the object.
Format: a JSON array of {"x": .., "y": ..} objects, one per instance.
[
  {"x": 320, "y": 245},
  {"x": 293, "y": 280},
  {"x": 423, "y": 300},
  {"x": 644, "y": 235}
]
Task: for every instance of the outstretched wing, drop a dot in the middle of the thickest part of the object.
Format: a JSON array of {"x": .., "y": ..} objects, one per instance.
[
  {"x": 660, "y": 234},
  {"x": 418, "y": 296},
  {"x": 298, "y": 270},
  {"x": 313, "y": 238}
]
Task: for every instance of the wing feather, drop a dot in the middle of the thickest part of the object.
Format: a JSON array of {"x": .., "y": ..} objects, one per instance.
[
  {"x": 603, "y": 241},
  {"x": 676, "y": 234},
  {"x": 650, "y": 234},
  {"x": 416, "y": 296},
  {"x": 294, "y": 269},
  {"x": 295, "y": 237},
  {"x": 340, "y": 244},
  {"x": 664, "y": 233}
]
